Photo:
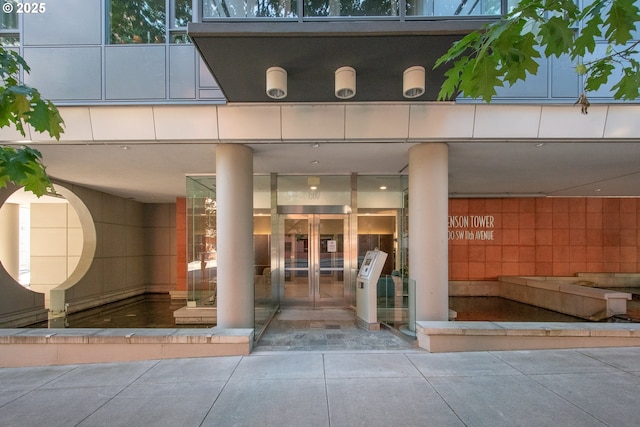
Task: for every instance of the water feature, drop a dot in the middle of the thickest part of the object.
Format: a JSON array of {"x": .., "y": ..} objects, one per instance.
[
  {"x": 143, "y": 311},
  {"x": 496, "y": 309}
]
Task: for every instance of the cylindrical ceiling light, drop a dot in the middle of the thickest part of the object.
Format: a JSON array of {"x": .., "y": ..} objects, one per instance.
[
  {"x": 413, "y": 82},
  {"x": 276, "y": 83},
  {"x": 345, "y": 82}
]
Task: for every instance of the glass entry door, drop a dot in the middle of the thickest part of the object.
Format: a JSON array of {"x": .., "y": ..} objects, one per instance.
[{"x": 314, "y": 264}]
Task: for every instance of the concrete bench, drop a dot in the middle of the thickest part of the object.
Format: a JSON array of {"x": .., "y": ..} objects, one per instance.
[
  {"x": 554, "y": 294},
  {"x": 39, "y": 347},
  {"x": 484, "y": 336}
]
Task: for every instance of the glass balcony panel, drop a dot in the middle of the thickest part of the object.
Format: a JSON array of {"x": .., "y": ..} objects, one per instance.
[
  {"x": 442, "y": 8},
  {"x": 249, "y": 9},
  {"x": 318, "y": 8}
]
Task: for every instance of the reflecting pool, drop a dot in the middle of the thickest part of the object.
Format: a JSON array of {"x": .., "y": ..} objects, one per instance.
[
  {"x": 496, "y": 309},
  {"x": 143, "y": 311}
]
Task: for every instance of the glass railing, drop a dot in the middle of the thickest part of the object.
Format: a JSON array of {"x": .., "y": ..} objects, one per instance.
[
  {"x": 266, "y": 304},
  {"x": 396, "y": 302},
  {"x": 293, "y": 9}
]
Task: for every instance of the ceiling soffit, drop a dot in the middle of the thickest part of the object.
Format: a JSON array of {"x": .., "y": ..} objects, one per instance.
[{"x": 239, "y": 53}]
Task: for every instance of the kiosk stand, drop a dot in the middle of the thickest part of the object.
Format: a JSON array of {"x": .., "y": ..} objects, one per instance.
[{"x": 367, "y": 289}]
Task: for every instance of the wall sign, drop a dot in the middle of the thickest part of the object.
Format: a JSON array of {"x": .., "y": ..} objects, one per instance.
[{"x": 471, "y": 227}]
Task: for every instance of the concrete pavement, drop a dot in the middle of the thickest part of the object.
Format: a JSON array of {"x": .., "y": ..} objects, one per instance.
[{"x": 580, "y": 387}]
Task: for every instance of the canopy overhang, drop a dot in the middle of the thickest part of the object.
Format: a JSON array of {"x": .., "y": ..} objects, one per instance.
[{"x": 238, "y": 55}]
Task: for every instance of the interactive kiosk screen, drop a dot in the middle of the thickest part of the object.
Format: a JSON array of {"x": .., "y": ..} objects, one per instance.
[{"x": 368, "y": 264}]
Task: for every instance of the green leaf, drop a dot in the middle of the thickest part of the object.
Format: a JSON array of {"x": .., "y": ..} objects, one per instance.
[
  {"x": 520, "y": 60},
  {"x": 485, "y": 78},
  {"x": 597, "y": 75},
  {"x": 449, "y": 88},
  {"x": 20, "y": 104},
  {"x": 45, "y": 117},
  {"x": 458, "y": 48},
  {"x": 23, "y": 166},
  {"x": 586, "y": 41},
  {"x": 557, "y": 36},
  {"x": 628, "y": 87},
  {"x": 621, "y": 21}
]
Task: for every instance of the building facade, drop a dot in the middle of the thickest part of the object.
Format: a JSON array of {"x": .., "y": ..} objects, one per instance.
[{"x": 193, "y": 171}]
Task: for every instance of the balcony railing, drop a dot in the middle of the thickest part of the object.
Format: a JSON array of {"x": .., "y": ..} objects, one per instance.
[{"x": 303, "y": 10}]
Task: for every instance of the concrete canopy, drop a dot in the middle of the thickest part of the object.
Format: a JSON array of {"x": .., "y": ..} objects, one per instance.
[{"x": 239, "y": 53}]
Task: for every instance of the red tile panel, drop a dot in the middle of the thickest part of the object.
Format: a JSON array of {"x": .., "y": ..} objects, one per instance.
[{"x": 548, "y": 236}]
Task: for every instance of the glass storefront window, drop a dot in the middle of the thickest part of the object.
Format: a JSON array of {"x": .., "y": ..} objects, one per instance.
[
  {"x": 202, "y": 246},
  {"x": 201, "y": 242},
  {"x": 351, "y": 8},
  {"x": 249, "y": 8},
  {"x": 137, "y": 21},
  {"x": 383, "y": 225}
]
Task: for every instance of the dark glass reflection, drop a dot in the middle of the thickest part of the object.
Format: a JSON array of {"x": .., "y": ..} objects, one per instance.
[
  {"x": 137, "y": 21},
  {"x": 351, "y": 8},
  {"x": 249, "y": 9},
  {"x": 495, "y": 309}
]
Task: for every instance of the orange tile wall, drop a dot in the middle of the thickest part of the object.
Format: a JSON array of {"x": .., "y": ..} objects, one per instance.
[
  {"x": 181, "y": 243},
  {"x": 547, "y": 237}
]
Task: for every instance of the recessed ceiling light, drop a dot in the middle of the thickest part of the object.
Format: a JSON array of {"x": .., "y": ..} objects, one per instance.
[
  {"x": 316, "y": 145},
  {"x": 315, "y": 162},
  {"x": 124, "y": 147},
  {"x": 383, "y": 187},
  {"x": 597, "y": 190},
  {"x": 313, "y": 187},
  {"x": 541, "y": 144}
]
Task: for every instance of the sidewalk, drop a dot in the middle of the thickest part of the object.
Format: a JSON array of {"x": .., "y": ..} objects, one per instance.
[{"x": 586, "y": 387}]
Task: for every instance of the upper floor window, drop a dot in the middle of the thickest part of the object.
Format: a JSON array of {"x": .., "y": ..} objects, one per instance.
[
  {"x": 181, "y": 15},
  {"x": 137, "y": 21},
  {"x": 9, "y": 34}
]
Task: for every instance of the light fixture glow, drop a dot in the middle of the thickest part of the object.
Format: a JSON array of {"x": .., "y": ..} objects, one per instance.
[
  {"x": 313, "y": 187},
  {"x": 345, "y": 82},
  {"x": 413, "y": 82},
  {"x": 383, "y": 187},
  {"x": 276, "y": 83}
]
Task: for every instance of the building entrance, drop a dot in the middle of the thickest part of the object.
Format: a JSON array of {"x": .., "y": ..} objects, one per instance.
[{"x": 314, "y": 260}]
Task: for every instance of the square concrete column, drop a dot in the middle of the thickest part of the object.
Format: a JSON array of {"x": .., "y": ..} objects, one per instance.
[
  {"x": 428, "y": 244},
  {"x": 234, "y": 228}
]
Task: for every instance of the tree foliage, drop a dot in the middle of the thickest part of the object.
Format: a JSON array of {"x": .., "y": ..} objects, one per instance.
[
  {"x": 599, "y": 38},
  {"x": 21, "y": 105}
]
